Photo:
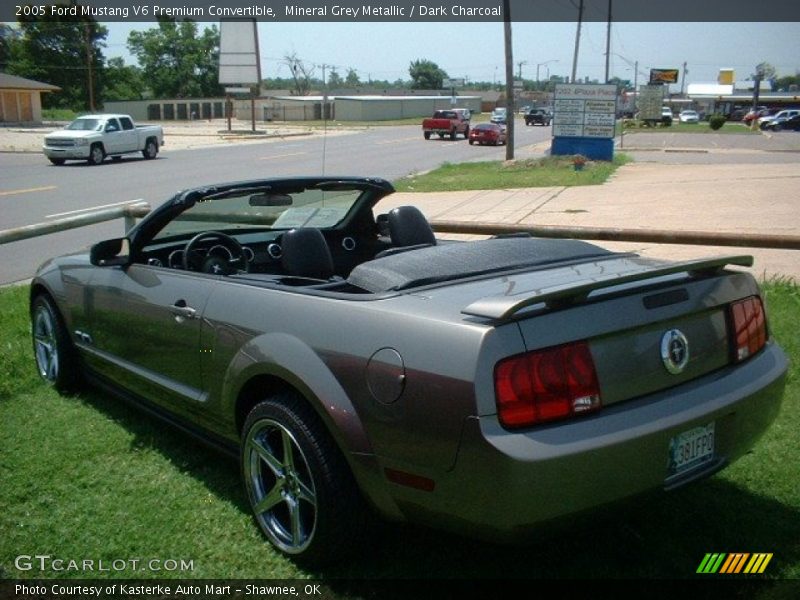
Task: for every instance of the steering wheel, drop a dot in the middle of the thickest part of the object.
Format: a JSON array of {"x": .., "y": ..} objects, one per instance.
[{"x": 213, "y": 263}]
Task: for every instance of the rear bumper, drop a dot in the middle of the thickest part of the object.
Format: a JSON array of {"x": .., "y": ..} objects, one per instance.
[{"x": 505, "y": 483}]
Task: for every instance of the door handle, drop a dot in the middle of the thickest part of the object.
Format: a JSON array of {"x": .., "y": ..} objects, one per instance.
[{"x": 181, "y": 310}]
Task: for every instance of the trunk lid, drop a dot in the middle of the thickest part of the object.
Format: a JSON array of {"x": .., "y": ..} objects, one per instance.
[{"x": 659, "y": 325}]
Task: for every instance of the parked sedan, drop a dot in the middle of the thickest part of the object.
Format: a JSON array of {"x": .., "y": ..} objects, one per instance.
[
  {"x": 689, "y": 116},
  {"x": 357, "y": 364},
  {"x": 487, "y": 133},
  {"x": 499, "y": 116},
  {"x": 766, "y": 122},
  {"x": 790, "y": 124},
  {"x": 777, "y": 122}
]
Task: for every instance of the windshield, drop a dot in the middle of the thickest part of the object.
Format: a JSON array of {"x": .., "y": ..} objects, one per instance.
[
  {"x": 258, "y": 210},
  {"x": 85, "y": 125}
]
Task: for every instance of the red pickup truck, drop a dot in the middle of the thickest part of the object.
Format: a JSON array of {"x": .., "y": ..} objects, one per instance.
[{"x": 447, "y": 122}]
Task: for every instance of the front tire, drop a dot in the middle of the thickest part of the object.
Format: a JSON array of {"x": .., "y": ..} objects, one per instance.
[
  {"x": 96, "y": 155},
  {"x": 56, "y": 357},
  {"x": 301, "y": 490}
]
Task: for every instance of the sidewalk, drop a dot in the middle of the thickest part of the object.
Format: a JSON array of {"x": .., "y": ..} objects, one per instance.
[{"x": 715, "y": 198}]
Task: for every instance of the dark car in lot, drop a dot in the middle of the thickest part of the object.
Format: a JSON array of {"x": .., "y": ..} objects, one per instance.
[
  {"x": 781, "y": 120},
  {"x": 538, "y": 116},
  {"x": 357, "y": 365},
  {"x": 790, "y": 124},
  {"x": 488, "y": 133}
]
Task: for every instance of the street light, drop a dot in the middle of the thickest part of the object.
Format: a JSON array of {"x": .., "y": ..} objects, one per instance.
[{"x": 541, "y": 64}]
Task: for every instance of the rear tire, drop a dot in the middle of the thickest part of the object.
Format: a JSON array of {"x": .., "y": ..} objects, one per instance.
[
  {"x": 453, "y": 134},
  {"x": 466, "y": 133},
  {"x": 427, "y": 135},
  {"x": 303, "y": 495},
  {"x": 150, "y": 149},
  {"x": 56, "y": 356}
]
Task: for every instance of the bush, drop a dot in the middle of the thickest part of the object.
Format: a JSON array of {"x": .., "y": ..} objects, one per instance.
[{"x": 716, "y": 121}]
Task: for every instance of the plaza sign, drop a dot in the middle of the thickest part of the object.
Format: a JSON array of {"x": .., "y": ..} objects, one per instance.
[{"x": 584, "y": 110}]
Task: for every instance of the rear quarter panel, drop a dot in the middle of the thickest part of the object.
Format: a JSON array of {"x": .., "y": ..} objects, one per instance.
[{"x": 322, "y": 346}]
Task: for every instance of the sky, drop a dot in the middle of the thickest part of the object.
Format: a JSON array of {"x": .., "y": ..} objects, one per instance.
[{"x": 475, "y": 50}]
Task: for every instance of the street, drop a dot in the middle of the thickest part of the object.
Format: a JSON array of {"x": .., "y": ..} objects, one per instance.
[{"x": 32, "y": 190}]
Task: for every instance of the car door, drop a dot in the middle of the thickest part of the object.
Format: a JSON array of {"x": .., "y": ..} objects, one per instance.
[
  {"x": 129, "y": 139},
  {"x": 145, "y": 332}
]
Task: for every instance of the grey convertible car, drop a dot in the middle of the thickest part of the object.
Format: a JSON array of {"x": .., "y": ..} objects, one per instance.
[{"x": 357, "y": 365}]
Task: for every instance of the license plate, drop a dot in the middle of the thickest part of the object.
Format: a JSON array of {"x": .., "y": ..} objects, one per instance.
[{"x": 690, "y": 449}]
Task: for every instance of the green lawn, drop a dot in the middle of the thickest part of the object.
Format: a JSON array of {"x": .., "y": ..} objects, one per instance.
[
  {"x": 555, "y": 171},
  {"x": 90, "y": 477}
]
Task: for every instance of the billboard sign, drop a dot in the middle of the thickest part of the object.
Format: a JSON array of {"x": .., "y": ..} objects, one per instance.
[
  {"x": 663, "y": 76},
  {"x": 239, "y": 62}
]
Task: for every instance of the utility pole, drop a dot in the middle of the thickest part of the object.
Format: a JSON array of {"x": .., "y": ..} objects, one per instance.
[
  {"x": 608, "y": 39},
  {"x": 89, "y": 66},
  {"x": 509, "y": 80},
  {"x": 519, "y": 68},
  {"x": 577, "y": 43},
  {"x": 683, "y": 77}
]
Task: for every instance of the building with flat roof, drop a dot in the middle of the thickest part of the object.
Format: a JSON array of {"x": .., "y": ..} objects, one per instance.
[{"x": 21, "y": 99}]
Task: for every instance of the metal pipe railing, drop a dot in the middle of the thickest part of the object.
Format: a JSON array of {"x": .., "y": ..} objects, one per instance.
[
  {"x": 613, "y": 234},
  {"x": 130, "y": 212}
]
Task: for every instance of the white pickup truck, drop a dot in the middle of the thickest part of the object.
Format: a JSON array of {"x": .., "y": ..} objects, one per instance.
[{"x": 93, "y": 137}]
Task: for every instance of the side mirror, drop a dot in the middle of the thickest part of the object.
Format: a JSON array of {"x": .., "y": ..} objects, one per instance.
[{"x": 111, "y": 253}]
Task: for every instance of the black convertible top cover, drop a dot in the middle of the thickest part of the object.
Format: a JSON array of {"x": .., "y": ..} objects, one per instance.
[{"x": 459, "y": 260}]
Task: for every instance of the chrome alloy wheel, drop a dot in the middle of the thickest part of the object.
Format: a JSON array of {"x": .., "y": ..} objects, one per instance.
[
  {"x": 280, "y": 486},
  {"x": 45, "y": 343}
]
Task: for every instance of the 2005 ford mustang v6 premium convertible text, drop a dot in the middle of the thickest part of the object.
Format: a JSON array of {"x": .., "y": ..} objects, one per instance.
[{"x": 359, "y": 365}]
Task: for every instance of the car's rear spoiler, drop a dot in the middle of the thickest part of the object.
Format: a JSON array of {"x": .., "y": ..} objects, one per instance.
[{"x": 505, "y": 307}]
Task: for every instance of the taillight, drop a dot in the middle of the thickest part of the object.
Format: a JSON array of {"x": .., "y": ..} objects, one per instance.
[
  {"x": 546, "y": 385},
  {"x": 748, "y": 327}
]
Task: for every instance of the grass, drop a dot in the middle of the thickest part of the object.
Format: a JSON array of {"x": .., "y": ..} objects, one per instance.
[
  {"x": 551, "y": 171},
  {"x": 90, "y": 477},
  {"x": 59, "y": 114}
]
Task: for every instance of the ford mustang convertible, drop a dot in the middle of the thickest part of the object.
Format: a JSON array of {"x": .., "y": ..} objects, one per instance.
[{"x": 359, "y": 366}]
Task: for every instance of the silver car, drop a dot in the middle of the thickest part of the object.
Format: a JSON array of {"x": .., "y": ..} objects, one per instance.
[{"x": 359, "y": 366}]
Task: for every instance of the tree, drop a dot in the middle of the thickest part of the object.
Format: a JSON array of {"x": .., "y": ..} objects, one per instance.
[
  {"x": 176, "y": 61},
  {"x": 122, "y": 82},
  {"x": 352, "y": 80},
  {"x": 334, "y": 79},
  {"x": 426, "y": 75},
  {"x": 301, "y": 74},
  {"x": 64, "y": 51},
  {"x": 788, "y": 83}
]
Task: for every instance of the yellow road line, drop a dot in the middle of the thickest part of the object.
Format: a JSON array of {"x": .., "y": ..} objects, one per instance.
[
  {"x": 28, "y": 190},
  {"x": 408, "y": 139}
]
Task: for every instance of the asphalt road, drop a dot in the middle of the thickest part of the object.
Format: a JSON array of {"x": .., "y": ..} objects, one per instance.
[{"x": 33, "y": 191}]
